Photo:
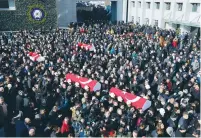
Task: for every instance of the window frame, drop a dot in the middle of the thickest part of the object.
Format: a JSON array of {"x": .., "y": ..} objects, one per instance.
[
  {"x": 133, "y": 4},
  {"x": 139, "y": 4},
  {"x": 11, "y": 6},
  {"x": 157, "y": 5},
  {"x": 156, "y": 23},
  {"x": 178, "y": 6},
  {"x": 167, "y": 6},
  {"x": 148, "y": 5},
  {"x": 195, "y": 9}
]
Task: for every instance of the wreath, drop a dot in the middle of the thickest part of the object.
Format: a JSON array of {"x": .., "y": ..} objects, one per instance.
[{"x": 36, "y": 13}]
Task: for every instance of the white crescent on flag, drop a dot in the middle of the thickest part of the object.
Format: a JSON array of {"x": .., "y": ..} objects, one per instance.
[
  {"x": 36, "y": 57},
  {"x": 137, "y": 98},
  {"x": 133, "y": 100},
  {"x": 136, "y": 101},
  {"x": 86, "y": 82},
  {"x": 92, "y": 84}
]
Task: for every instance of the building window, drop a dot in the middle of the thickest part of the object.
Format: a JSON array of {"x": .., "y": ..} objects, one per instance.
[
  {"x": 195, "y": 7},
  {"x": 168, "y": 4},
  {"x": 157, "y": 5},
  {"x": 180, "y": 5},
  {"x": 139, "y": 4},
  {"x": 147, "y": 21},
  {"x": 156, "y": 23},
  {"x": 7, "y": 4},
  {"x": 148, "y": 5},
  {"x": 133, "y": 3},
  {"x": 4, "y": 4}
]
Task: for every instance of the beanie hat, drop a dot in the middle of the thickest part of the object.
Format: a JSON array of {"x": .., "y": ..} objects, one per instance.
[
  {"x": 162, "y": 111},
  {"x": 170, "y": 132}
]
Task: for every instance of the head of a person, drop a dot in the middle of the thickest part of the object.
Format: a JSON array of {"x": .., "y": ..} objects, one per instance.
[
  {"x": 66, "y": 120},
  {"x": 1, "y": 89},
  {"x": 27, "y": 121},
  {"x": 55, "y": 109},
  {"x": 185, "y": 115},
  {"x": 171, "y": 100},
  {"x": 32, "y": 132}
]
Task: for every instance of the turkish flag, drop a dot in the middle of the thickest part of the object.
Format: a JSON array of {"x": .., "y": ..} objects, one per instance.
[
  {"x": 136, "y": 101},
  {"x": 92, "y": 84},
  {"x": 82, "y": 30},
  {"x": 86, "y": 46},
  {"x": 36, "y": 57},
  {"x": 130, "y": 34}
]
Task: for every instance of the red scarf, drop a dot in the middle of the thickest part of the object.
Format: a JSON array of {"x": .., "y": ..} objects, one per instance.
[{"x": 169, "y": 85}]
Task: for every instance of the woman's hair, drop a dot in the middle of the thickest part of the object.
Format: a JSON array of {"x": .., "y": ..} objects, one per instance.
[{"x": 159, "y": 129}]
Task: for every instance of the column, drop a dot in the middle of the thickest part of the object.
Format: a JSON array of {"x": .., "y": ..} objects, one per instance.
[
  {"x": 129, "y": 11},
  {"x": 143, "y": 7},
  {"x": 151, "y": 19},
  {"x": 119, "y": 10},
  {"x": 124, "y": 4},
  {"x": 173, "y": 8},
  {"x": 136, "y": 12},
  {"x": 187, "y": 9},
  {"x": 161, "y": 22}
]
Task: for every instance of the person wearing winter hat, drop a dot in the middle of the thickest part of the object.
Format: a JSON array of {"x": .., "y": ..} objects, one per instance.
[
  {"x": 162, "y": 112},
  {"x": 170, "y": 132}
]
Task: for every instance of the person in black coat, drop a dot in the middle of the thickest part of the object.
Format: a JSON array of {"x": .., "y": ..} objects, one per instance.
[
  {"x": 2, "y": 133},
  {"x": 22, "y": 127},
  {"x": 19, "y": 101}
]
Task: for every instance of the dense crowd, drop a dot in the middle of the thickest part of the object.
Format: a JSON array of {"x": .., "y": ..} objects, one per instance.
[{"x": 156, "y": 64}]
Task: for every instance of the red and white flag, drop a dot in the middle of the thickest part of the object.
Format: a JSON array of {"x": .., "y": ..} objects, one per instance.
[
  {"x": 92, "y": 84},
  {"x": 130, "y": 34},
  {"x": 86, "y": 46},
  {"x": 136, "y": 101},
  {"x": 36, "y": 57},
  {"x": 82, "y": 30}
]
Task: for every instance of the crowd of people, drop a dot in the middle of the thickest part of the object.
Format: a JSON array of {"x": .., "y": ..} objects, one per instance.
[{"x": 157, "y": 64}]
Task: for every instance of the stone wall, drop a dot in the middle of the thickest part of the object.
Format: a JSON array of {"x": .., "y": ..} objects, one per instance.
[{"x": 20, "y": 19}]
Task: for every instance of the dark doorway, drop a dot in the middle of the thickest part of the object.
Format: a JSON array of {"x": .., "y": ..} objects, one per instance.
[
  {"x": 114, "y": 11},
  {"x": 4, "y": 4},
  {"x": 89, "y": 12}
]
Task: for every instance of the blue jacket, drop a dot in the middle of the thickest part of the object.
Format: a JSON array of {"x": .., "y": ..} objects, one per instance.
[{"x": 21, "y": 129}]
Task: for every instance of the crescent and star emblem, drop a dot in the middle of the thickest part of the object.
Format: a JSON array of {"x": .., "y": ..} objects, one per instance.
[
  {"x": 137, "y": 98},
  {"x": 85, "y": 82},
  {"x": 37, "y": 14}
]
